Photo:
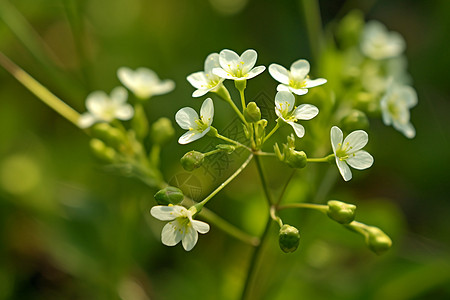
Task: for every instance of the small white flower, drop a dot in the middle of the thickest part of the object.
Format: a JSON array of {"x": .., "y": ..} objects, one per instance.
[
  {"x": 378, "y": 43},
  {"x": 104, "y": 108},
  {"x": 206, "y": 81},
  {"x": 188, "y": 119},
  {"x": 235, "y": 67},
  {"x": 348, "y": 152},
  {"x": 182, "y": 228},
  {"x": 144, "y": 82},
  {"x": 395, "y": 107},
  {"x": 296, "y": 80},
  {"x": 284, "y": 108}
]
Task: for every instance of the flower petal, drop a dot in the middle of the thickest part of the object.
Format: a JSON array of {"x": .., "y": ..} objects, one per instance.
[
  {"x": 211, "y": 62},
  {"x": 344, "y": 169},
  {"x": 86, "y": 120},
  {"x": 356, "y": 140},
  {"x": 306, "y": 112},
  {"x": 255, "y": 72},
  {"x": 279, "y": 73},
  {"x": 299, "y": 129},
  {"x": 207, "y": 111},
  {"x": 190, "y": 238},
  {"x": 119, "y": 95},
  {"x": 249, "y": 59},
  {"x": 199, "y": 93},
  {"x": 124, "y": 112},
  {"x": 223, "y": 74},
  {"x": 167, "y": 213},
  {"x": 200, "y": 226},
  {"x": 299, "y": 69},
  {"x": 299, "y": 92},
  {"x": 315, "y": 82},
  {"x": 186, "y": 117},
  {"x": 96, "y": 102},
  {"x": 171, "y": 233},
  {"x": 285, "y": 101},
  {"x": 192, "y": 135},
  {"x": 407, "y": 129},
  {"x": 162, "y": 87},
  {"x": 336, "y": 137},
  {"x": 228, "y": 60},
  {"x": 126, "y": 76},
  {"x": 360, "y": 160}
]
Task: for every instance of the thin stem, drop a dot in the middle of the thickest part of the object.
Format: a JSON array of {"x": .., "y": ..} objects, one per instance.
[
  {"x": 232, "y": 141},
  {"x": 39, "y": 90},
  {"x": 319, "y": 207},
  {"x": 155, "y": 155},
  {"x": 224, "y": 184},
  {"x": 263, "y": 180},
  {"x": 242, "y": 95},
  {"x": 285, "y": 187},
  {"x": 212, "y": 152},
  {"x": 262, "y": 153},
  {"x": 225, "y": 95},
  {"x": 322, "y": 159},
  {"x": 273, "y": 215},
  {"x": 271, "y": 132},
  {"x": 311, "y": 13}
]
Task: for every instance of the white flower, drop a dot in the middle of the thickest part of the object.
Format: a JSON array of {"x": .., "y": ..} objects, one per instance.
[
  {"x": 296, "y": 80},
  {"x": 395, "y": 107},
  {"x": 348, "y": 152},
  {"x": 104, "y": 108},
  {"x": 182, "y": 228},
  {"x": 144, "y": 82},
  {"x": 284, "y": 108},
  {"x": 378, "y": 43},
  {"x": 206, "y": 81},
  {"x": 188, "y": 119},
  {"x": 237, "y": 67}
]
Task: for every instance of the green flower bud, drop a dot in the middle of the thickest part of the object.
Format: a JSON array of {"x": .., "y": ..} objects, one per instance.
[
  {"x": 102, "y": 151},
  {"x": 377, "y": 240},
  {"x": 162, "y": 131},
  {"x": 277, "y": 151},
  {"x": 252, "y": 113},
  {"x": 228, "y": 148},
  {"x": 110, "y": 135},
  {"x": 192, "y": 160},
  {"x": 288, "y": 238},
  {"x": 260, "y": 127},
  {"x": 139, "y": 122},
  {"x": 341, "y": 212},
  {"x": 356, "y": 119},
  {"x": 169, "y": 195},
  {"x": 295, "y": 159}
]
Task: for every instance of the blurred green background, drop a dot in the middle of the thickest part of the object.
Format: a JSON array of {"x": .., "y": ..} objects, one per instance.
[{"x": 69, "y": 229}]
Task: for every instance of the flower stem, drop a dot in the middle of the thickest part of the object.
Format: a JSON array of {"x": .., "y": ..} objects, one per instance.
[
  {"x": 320, "y": 207},
  {"x": 225, "y": 95},
  {"x": 285, "y": 187},
  {"x": 271, "y": 132},
  {"x": 311, "y": 13},
  {"x": 322, "y": 159},
  {"x": 263, "y": 181},
  {"x": 218, "y": 135},
  {"x": 39, "y": 90}
]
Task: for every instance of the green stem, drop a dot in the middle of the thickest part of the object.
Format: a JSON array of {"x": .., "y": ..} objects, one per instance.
[
  {"x": 285, "y": 187},
  {"x": 322, "y": 159},
  {"x": 242, "y": 95},
  {"x": 155, "y": 155},
  {"x": 218, "y": 135},
  {"x": 39, "y": 90},
  {"x": 319, "y": 207},
  {"x": 271, "y": 132},
  {"x": 224, "y": 184},
  {"x": 263, "y": 181},
  {"x": 311, "y": 13},
  {"x": 225, "y": 95},
  {"x": 212, "y": 152}
]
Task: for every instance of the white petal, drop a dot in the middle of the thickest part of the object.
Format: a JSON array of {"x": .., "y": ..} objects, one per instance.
[
  {"x": 279, "y": 73},
  {"x": 211, "y": 62},
  {"x": 357, "y": 140},
  {"x": 190, "y": 238},
  {"x": 283, "y": 88},
  {"x": 207, "y": 111},
  {"x": 336, "y": 137},
  {"x": 228, "y": 60},
  {"x": 299, "y": 129},
  {"x": 191, "y": 136},
  {"x": 222, "y": 73},
  {"x": 283, "y": 99},
  {"x": 86, "y": 120},
  {"x": 298, "y": 91},
  {"x": 199, "y": 93},
  {"x": 200, "y": 226},
  {"x": 315, "y": 82},
  {"x": 409, "y": 95},
  {"x": 146, "y": 75},
  {"x": 249, "y": 59},
  {"x": 344, "y": 169},
  {"x": 407, "y": 129},
  {"x": 96, "y": 102},
  {"x": 167, "y": 213},
  {"x": 306, "y": 112},
  {"x": 171, "y": 234},
  {"x": 163, "y": 87},
  {"x": 124, "y": 112},
  {"x": 360, "y": 160},
  {"x": 126, "y": 76},
  {"x": 299, "y": 69},
  {"x": 186, "y": 117},
  {"x": 255, "y": 72},
  {"x": 119, "y": 95}
]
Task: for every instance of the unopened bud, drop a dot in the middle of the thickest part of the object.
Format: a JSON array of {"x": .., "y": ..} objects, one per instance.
[
  {"x": 377, "y": 240},
  {"x": 227, "y": 148},
  {"x": 295, "y": 159},
  {"x": 162, "y": 131},
  {"x": 102, "y": 151},
  {"x": 192, "y": 160},
  {"x": 108, "y": 134},
  {"x": 139, "y": 122},
  {"x": 354, "y": 120},
  {"x": 252, "y": 113},
  {"x": 341, "y": 212},
  {"x": 289, "y": 238},
  {"x": 169, "y": 195}
]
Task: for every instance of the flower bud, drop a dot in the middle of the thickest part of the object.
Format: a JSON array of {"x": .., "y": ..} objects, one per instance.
[
  {"x": 169, "y": 195},
  {"x": 341, "y": 212},
  {"x": 227, "y": 148},
  {"x": 192, "y": 160},
  {"x": 102, "y": 151},
  {"x": 108, "y": 134},
  {"x": 139, "y": 122},
  {"x": 288, "y": 238},
  {"x": 260, "y": 127},
  {"x": 295, "y": 159},
  {"x": 354, "y": 120},
  {"x": 252, "y": 113},
  {"x": 162, "y": 131},
  {"x": 377, "y": 240}
]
